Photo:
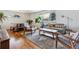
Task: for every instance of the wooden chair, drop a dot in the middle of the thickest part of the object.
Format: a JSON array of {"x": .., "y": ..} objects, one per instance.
[{"x": 69, "y": 42}]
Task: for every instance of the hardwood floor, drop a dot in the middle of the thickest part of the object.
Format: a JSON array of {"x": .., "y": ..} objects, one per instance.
[{"x": 18, "y": 41}]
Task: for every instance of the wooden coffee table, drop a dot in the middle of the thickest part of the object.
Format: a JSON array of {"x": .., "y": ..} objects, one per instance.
[{"x": 54, "y": 35}]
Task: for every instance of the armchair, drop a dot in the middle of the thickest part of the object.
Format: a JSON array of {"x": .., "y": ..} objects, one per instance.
[{"x": 70, "y": 41}]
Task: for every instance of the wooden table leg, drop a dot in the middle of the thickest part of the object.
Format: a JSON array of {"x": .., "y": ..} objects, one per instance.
[
  {"x": 56, "y": 43},
  {"x": 56, "y": 40},
  {"x": 39, "y": 32}
]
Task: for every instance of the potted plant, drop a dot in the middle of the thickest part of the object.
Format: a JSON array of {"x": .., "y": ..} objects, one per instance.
[
  {"x": 2, "y": 17},
  {"x": 29, "y": 22},
  {"x": 38, "y": 21}
]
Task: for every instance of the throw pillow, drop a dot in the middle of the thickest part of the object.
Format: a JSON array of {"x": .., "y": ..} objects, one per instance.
[{"x": 74, "y": 35}]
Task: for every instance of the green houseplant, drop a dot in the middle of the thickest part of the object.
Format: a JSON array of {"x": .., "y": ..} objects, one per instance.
[
  {"x": 37, "y": 20},
  {"x": 2, "y": 17},
  {"x": 29, "y": 22}
]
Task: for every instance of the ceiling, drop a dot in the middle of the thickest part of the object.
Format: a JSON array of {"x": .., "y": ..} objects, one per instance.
[{"x": 27, "y": 11}]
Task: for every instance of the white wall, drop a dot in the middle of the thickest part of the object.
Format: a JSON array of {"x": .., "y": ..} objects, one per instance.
[
  {"x": 73, "y": 18},
  {"x": 40, "y": 13},
  {"x": 72, "y": 14},
  {"x": 11, "y": 20}
]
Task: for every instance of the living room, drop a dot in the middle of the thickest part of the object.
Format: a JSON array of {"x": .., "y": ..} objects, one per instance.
[{"x": 35, "y": 29}]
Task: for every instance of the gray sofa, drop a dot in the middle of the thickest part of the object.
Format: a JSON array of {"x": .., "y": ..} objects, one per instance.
[{"x": 60, "y": 27}]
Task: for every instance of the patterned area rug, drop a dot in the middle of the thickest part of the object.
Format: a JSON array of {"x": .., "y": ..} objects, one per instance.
[{"x": 43, "y": 42}]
